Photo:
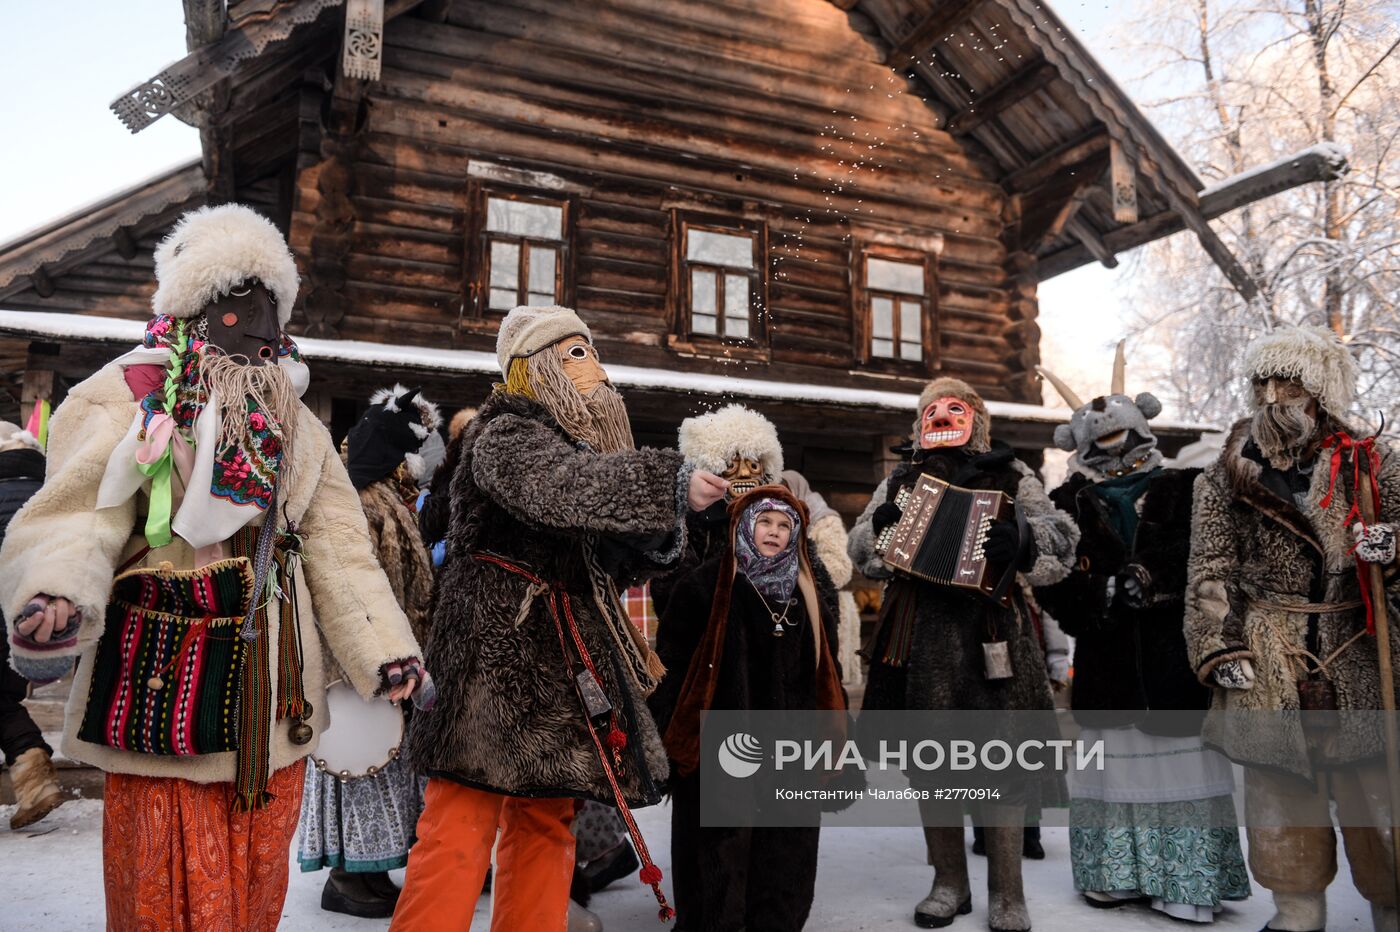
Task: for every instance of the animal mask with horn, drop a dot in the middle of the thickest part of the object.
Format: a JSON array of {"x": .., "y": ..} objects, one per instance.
[{"x": 1109, "y": 435}]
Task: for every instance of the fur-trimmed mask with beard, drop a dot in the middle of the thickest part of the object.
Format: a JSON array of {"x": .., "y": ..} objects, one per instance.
[
  {"x": 568, "y": 379},
  {"x": 1285, "y": 419},
  {"x": 1109, "y": 435}
]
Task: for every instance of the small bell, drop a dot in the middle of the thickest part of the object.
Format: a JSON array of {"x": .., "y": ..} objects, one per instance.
[
  {"x": 299, "y": 733},
  {"x": 777, "y": 627},
  {"x": 155, "y": 683}
]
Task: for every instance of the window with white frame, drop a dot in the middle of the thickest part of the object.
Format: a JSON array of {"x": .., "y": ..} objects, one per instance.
[
  {"x": 896, "y": 297},
  {"x": 526, "y": 246},
  {"x": 720, "y": 270}
]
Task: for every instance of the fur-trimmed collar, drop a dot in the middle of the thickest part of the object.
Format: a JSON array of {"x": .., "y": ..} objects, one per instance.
[{"x": 1242, "y": 475}]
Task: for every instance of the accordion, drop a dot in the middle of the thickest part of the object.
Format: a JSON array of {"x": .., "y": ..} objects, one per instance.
[{"x": 940, "y": 536}]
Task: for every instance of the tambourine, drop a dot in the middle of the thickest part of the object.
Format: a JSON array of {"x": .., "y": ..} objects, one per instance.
[{"x": 362, "y": 738}]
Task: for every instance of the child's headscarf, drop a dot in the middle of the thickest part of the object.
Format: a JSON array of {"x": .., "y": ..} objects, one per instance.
[{"x": 776, "y": 576}]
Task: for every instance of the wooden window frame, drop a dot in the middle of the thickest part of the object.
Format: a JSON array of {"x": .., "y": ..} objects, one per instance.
[
  {"x": 477, "y": 314},
  {"x": 864, "y": 329},
  {"x": 683, "y": 338}
]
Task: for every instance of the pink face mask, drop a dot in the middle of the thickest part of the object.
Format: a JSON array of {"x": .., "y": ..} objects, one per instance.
[{"x": 947, "y": 422}]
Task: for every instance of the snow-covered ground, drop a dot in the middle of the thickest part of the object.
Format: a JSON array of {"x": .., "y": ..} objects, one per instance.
[{"x": 51, "y": 879}]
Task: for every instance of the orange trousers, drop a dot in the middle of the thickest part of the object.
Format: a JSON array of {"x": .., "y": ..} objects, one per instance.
[
  {"x": 448, "y": 863},
  {"x": 177, "y": 858}
]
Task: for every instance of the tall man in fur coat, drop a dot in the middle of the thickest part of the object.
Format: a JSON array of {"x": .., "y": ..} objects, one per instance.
[
  {"x": 181, "y": 476},
  {"x": 1157, "y": 825},
  {"x": 928, "y": 651},
  {"x": 542, "y": 676},
  {"x": 1275, "y": 621}
]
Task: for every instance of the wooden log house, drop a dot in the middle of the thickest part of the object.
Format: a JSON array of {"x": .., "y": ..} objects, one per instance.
[{"x": 809, "y": 206}]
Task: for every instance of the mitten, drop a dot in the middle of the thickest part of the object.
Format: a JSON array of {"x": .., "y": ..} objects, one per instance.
[
  {"x": 1136, "y": 583},
  {"x": 887, "y": 514},
  {"x": 1234, "y": 674},
  {"x": 1375, "y": 543},
  {"x": 1057, "y": 665}
]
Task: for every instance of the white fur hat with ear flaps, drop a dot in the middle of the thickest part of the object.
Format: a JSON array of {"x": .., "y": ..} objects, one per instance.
[
  {"x": 1315, "y": 356},
  {"x": 710, "y": 441},
  {"x": 213, "y": 249}
]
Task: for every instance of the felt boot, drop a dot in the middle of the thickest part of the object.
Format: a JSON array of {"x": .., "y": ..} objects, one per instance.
[
  {"x": 36, "y": 787},
  {"x": 610, "y": 866},
  {"x": 951, "y": 895},
  {"x": 1006, "y": 900},
  {"x": 582, "y": 920},
  {"x": 1299, "y": 912}
]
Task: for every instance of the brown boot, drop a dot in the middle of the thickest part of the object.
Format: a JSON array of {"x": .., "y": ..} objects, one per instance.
[
  {"x": 36, "y": 787},
  {"x": 1006, "y": 899}
]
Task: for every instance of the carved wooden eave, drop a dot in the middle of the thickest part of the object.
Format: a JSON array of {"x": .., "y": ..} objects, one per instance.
[
  {"x": 112, "y": 224},
  {"x": 255, "y": 28},
  {"x": 1089, "y": 172}
]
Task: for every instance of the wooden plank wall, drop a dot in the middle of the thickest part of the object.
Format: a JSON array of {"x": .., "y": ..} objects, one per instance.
[{"x": 776, "y": 111}]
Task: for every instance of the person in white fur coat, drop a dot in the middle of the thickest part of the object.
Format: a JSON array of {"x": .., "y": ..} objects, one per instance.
[
  {"x": 198, "y": 637},
  {"x": 742, "y": 445}
]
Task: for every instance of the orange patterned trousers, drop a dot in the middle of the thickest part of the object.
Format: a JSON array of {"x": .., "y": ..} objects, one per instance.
[{"x": 175, "y": 856}]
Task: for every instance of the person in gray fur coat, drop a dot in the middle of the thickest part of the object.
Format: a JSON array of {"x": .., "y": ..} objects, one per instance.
[
  {"x": 1276, "y": 622},
  {"x": 927, "y": 651},
  {"x": 541, "y": 676}
]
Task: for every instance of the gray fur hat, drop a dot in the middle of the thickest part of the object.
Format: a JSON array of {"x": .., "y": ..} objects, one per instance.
[
  {"x": 527, "y": 330},
  {"x": 211, "y": 250},
  {"x": 1314, "y": 356},
  {"x": 710, "y": 441}
]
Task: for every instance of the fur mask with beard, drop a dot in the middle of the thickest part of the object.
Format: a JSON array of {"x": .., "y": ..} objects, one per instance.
[
  {"x": 598, "y": 418},
  {"x": 1285, "y": 421}
]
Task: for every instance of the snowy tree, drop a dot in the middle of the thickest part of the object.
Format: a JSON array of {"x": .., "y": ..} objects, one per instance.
[{"x": 1254, "y": 81}]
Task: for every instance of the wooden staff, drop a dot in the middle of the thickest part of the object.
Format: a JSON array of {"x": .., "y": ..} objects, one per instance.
[{"x": 1375, "y": 580}]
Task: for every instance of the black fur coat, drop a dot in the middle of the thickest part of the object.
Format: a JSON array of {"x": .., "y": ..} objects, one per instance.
[
  {"x": 508, "y": 718},
  {"x": 1129, "y": 658}
]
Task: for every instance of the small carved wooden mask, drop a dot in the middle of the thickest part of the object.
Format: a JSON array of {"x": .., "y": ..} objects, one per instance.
[
  {"x": 243, "y": 323},
  {"x": 946, "y": 422},
  {"x": 580, "y": 362},
  {"x": 744, "y": 476}
]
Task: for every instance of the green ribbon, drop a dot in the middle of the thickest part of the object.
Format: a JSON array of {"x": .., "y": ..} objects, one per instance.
[{"x": 162, "y": 497}]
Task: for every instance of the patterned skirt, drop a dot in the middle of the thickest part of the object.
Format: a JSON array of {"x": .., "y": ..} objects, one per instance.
[
  {"x": 175, "y": 856},
  {"x": 359, "y": 825},
  {"x": 1158, "y": 821}
]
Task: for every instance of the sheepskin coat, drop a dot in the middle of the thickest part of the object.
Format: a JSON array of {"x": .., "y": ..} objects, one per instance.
[
  {"x": 398, "y": 544},
  {"x": 59, "y": 543},
  {"x": 508, "y": 718},
  {"x": 945, "y": 669},
  {"x": 1251, "y": 545},
  {"x": 1129, "y": 659}
]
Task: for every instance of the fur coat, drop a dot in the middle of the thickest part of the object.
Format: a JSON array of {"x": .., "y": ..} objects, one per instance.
[
  {"x": 943, "y": 667},
  {"x": 59, "y": 543},
  {"x": 1250, "y": 545},
  {"x": 393, "y": 531},
  {"x": 508, "y": 717},
  {"x": 1129, "y": 659}
]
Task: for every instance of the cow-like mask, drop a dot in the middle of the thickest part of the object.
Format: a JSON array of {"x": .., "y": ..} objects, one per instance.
[
  {"x": 946, "y": 422},
  {"x": 1109, "y": 435}
]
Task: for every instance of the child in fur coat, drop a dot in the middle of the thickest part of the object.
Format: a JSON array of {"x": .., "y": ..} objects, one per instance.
[{"x": 753, "y": 628}]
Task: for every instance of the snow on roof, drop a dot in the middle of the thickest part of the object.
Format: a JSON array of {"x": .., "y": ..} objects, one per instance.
[
  {"x": 1329, "y": 152},
  {"x": 78, "y": 327}
]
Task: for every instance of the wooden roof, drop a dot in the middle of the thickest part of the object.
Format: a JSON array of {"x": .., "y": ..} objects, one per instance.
[{"x": 1089, "y": 174}]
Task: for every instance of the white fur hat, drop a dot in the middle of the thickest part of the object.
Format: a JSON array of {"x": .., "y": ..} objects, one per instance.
[
  {"x": 211, "y": 250},
  {"x": 1314, "y": 356},
  {"x": 710, "y": 441},
  {"x": 527, "y": 330}
]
